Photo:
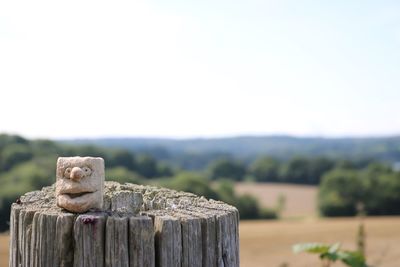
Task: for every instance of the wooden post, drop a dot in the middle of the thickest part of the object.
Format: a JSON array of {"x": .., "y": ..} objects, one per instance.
[{"x": 138, "y": 226}]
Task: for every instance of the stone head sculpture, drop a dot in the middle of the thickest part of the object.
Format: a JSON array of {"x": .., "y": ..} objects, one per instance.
[{"x": 80, "y": 183}]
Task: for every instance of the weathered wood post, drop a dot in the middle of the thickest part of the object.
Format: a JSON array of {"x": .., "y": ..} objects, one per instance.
[{"x": 136, "y": 226}]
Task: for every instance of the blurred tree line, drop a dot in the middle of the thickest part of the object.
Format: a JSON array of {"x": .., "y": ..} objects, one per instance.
[
  {"x": 27, "y": 165},
  {"x": 297, "y": 170},
  {"x": 373, "y": 190}
]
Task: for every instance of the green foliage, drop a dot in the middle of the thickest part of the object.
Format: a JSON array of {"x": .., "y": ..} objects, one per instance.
[
  {"x": 147, "y": 166},
  {"x": 248, "y": 206},
  {"x": 317, "y": 168},
  {"x": 6, "y": 140},
  {"x": 298, "y": 170},
  {"x": 163, "y": 170},
  {"x": 265, "y": 169},
  {"x": 301, "y": 170},
  {"x": 339, "y": 193},
  {"x": 269, "y": 213},
  {"x": 14, "y": 154},
  {"x": 194, "y": 183},
  {"x": 123, "y": 175},
  {"x": 123, "y": 158},
  {"x": 376, "y": 188},
  {"x": 332, "y": 253},
  {"x": 226, "y": 191},
  {"x": 295, "y": 170},
  {"x": 226, "y": 168}
]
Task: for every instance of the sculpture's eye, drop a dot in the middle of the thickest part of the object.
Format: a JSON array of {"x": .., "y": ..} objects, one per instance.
[
  {"x": 67, "y": 172},
  {"x": 87, "y": 171}
]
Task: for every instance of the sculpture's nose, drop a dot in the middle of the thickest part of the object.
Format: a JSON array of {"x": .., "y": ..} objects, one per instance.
[{"x": 76, "y": 173}]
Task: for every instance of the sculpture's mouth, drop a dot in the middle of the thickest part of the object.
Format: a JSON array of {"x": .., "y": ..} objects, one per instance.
[
  {"x": 78, "y": 201},
  {"x": 75, "y": 195}
]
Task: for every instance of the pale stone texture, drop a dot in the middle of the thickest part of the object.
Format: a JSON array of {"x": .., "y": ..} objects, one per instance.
[{"x": 80, "y": 183}]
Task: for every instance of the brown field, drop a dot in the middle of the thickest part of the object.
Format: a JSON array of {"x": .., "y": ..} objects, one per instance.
[
  {"x": 300, "y": 199},
  {"x": 268, "y": 243},
  {"x": 3, "y": 250},
  {"x": 264, "y": 243}
]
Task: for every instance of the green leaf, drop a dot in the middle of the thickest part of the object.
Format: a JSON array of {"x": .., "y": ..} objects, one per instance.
[
  {"x": 334, "y": 248},
  {"x": 318, "y": 248},
  {"x": 330, "y": 256},
  {"x": 352, "y": 258}
]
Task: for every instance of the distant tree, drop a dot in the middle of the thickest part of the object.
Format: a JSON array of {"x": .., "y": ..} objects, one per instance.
[
  {"x": 147, "y": 166},
  {"x": 376, "y": 188},
  {"x": 46, "y": 148},
  {"x": 295, "y": 170},
  {"x": 375, "y": 168},
  {"x": 6, "y": 140},
  {"x": 383, "y": 196},
  {"x": 226, "y": 191},
  {"x": 123, "y": 175},
  {"x": 345, "y": 164},
  {"x": 340, "y": 192},
  {"x": 248, "y": 207},
  {"x": 265, "y": 169},
  {"x": 194, "y": 183},
  {"x": 123, "y": 158},
  {"x": 226, "y": 168},
  {"x": 14, "y": 154},
  {"x": 317, "y": 167},
  {"x": 163, "y": 170}
]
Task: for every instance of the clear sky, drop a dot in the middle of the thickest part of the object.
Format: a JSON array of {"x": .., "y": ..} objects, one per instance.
[{"x": 199, "y": 68}]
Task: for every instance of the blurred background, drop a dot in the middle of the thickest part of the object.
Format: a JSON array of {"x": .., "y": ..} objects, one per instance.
[{"x": 286, "y": 109}]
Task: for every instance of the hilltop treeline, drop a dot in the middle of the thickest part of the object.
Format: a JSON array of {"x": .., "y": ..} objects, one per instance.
[
  {"x": 345, "y": 185},
  {"x": 198, "y": 153}
]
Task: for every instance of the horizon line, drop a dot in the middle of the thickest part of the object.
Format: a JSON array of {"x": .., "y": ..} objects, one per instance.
[{"x": 225, "y": 136}]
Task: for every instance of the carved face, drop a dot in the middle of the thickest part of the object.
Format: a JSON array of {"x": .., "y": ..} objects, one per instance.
[{"x": 80, "y": 183}]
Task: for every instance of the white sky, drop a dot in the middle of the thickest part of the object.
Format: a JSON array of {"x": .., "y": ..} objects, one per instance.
[{"x": 199, "y": 68}]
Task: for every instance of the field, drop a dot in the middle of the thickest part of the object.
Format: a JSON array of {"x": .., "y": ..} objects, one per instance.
[
  {"x": 264, "y": 243},
  {"x": 300, "y": 199},
  {"x": 3, "y": 250}
]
